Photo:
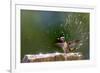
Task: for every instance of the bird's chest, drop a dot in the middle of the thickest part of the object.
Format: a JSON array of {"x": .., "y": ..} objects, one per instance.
[{"x": 65, "y": 45}]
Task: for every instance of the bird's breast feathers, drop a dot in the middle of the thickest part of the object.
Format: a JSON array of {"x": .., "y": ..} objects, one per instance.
[{"x": 65, "y": 45}]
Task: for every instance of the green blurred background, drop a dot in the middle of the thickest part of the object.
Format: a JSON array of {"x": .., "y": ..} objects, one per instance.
[{"x": 40, "y": 29}]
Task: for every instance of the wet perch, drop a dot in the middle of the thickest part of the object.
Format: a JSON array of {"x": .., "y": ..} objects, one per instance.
[{"x": 52, "y": 57}]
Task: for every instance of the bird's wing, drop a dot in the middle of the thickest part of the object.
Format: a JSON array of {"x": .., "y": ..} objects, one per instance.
[
  {"x": 75, "y": 44},
  {"x": 60, "y": 45}
]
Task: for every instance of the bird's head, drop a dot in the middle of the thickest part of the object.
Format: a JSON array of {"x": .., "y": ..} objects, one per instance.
[{"x": 61, "y": 39}]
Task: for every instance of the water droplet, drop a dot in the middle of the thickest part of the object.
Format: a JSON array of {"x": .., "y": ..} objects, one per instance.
[
  {"x": 57, "y": 53},
  {"x": 80, "y": 22},
  {"x": 40, "y": 54}
]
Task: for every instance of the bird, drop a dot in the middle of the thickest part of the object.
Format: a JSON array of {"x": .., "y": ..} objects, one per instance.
[
  {"x": 67, "y": 46},
  {"x": 62, "y": 44}
]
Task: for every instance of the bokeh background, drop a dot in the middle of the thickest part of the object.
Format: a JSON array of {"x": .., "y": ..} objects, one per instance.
[{"x": 40, "y": 29}]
